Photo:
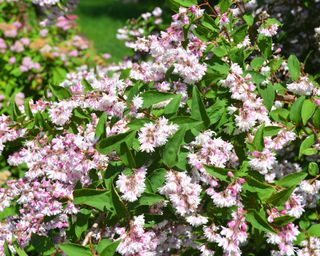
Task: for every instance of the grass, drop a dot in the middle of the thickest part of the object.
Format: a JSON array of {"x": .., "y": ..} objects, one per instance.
[{"x": 99, "y": 21}]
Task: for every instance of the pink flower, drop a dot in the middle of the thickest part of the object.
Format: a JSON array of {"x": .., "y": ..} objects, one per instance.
[{"x": 132, "y": 186}]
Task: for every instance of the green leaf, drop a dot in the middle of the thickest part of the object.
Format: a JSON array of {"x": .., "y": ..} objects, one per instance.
[
  {"x": 110, "y": 250},
  {"x": 208, "y": 22},
  {"x": 313, "y": 169},
  {"x": 316, "y": 118},
  {"x": 224, "y": 5},
  {"x": 292, "y": 179},
  {"x": 307, "y": 110},
  {"x": 42, "y": 244},
  {"x": 27, "y": 108},
  {"x": 186, "y": 122},
  {"x": 268, "y": 95},
  {"x": 294, "y": 67},
  {"x": 150, "y": 199},
  {"x": 19, "y": 250},
  {"x": 153, "y": 97},
  {"x": 121, "y": 209},
  {"x": 257, "y": 63},
  {"x": 127, "y": 156},
  {"x": 314, "y": 230},
  {"x": 220, "y": 173},
  {"x": 259, "y": 221},
  {"x": 81, "y": 224},
  {"x": 60, "y": 92},
  {"x": 113, "y": 143},
  {"x": 173, "y": 106},
  {"x": 295, "y": 111},
  {"x": 283, "y": 220},
  {"x": 101, "y": 126},
  {"x": 172, "y": 148},
  {"x": 75, "y": 250},
  {"x": 248, "y": 19},
  {"x": 186, "y": 3},
  {"x": 258, "y": 140},
  {"x": 265, "y": 46},
  {"x": 306, "y": 144},
  {"x": 279, "y": 198},
  {"x": 157, "y": 178},
  {"x": 271, "y": 131},
  {"x": 240, "y": 34},
  {"x": 198, "y": 111},
  {"x": 99, "y": 199}
]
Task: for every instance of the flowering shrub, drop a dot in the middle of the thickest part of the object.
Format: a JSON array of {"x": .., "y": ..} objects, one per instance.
[
  {"x": 206, "y": 146},
  {"x": 34, "y": 55}
]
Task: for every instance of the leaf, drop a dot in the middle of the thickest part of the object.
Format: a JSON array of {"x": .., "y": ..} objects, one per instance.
[
  {"x": 314, "y": 230},
  {"x": 307, "y": 110},
  {"x": 81, "y": 224},
  {"x": 313, "y": 169},
  {"x": 283, "y": 220},
  {"x": 294, "y": 67},
  {"x": 173, "y": 106},
  {"x": 110, "y": 250},
  {"x": 258, "y": 140},
  {"x": 292, "y": 179},
  {"x": 172, "y": 148},
  {"x": 27, "y": 108},
  {"x": 42, "y": 244},
  {"x": 153, "y": 97},
  {"x": 271, "y": 131},
  {"x": 224, "y": 5},
  {"x": 101, "y": 126},
  {"x": 186, "y": 3},
  {"x": 150, "y": 199},
  {"x": 316, "y": 118},
  {"x": 127, "y": 156},
  {"x": 306, "y": 144},
  {"x": 240, "y": 34},
  {"x": 19, "y": 250},
  {"x": 295, "y": 111},
  {"x": 99, "y": 199},
  {"x": 279, "y": 198},
  {"x": 257, "y": 63},
  {"x": 157, "y": 178},
  {"x": 198, "y": 111},
  {"x": 113, "y": 143},
  {"x": 259, "y": 221},
  {"x": 75, "y": 250},
  {"x": 60, "y": 92},
  {"x": 268, "y": 95},
  {"x": 136, "y": 124},
  {"x": 248, "y": 18},
  {"x": 186, "y": 122},
  {"x": 208, "y": 22},
  {"x": 220, "y": 173},
  {"x": 121, "y": 210}
]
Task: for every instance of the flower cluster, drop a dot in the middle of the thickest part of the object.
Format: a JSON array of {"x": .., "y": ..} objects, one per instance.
[{"x": 206, "y": 142}]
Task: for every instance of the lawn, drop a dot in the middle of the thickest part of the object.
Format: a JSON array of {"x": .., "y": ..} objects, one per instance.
[{"x": 99, "y": 21}]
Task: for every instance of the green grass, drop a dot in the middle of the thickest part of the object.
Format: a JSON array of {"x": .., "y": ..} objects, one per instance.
[{"x": 99, "y": 21}]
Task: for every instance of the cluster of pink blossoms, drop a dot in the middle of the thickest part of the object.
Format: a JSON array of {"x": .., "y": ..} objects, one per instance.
[
  {"x": 132, "y": 186},
  {"x": 153, "y": 135},
  {"x": 8, "y": 132},
  {"x": 54, "y": 169},
  {"x": 231, "y": 237},
  {"x": 167, "y": 51}
]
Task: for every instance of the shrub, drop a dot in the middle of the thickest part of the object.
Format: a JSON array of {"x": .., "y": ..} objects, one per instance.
[{"x": 207, "y": 145}]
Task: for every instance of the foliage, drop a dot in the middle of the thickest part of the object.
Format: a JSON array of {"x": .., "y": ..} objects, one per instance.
[{"x": 207, "y": 144}]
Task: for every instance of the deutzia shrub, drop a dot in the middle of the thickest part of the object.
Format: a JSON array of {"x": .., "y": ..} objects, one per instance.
[{"x": 208, "y": 145}]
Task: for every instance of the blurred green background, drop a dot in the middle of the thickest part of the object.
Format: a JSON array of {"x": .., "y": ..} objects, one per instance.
[{"x": 99, "y": 21}]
